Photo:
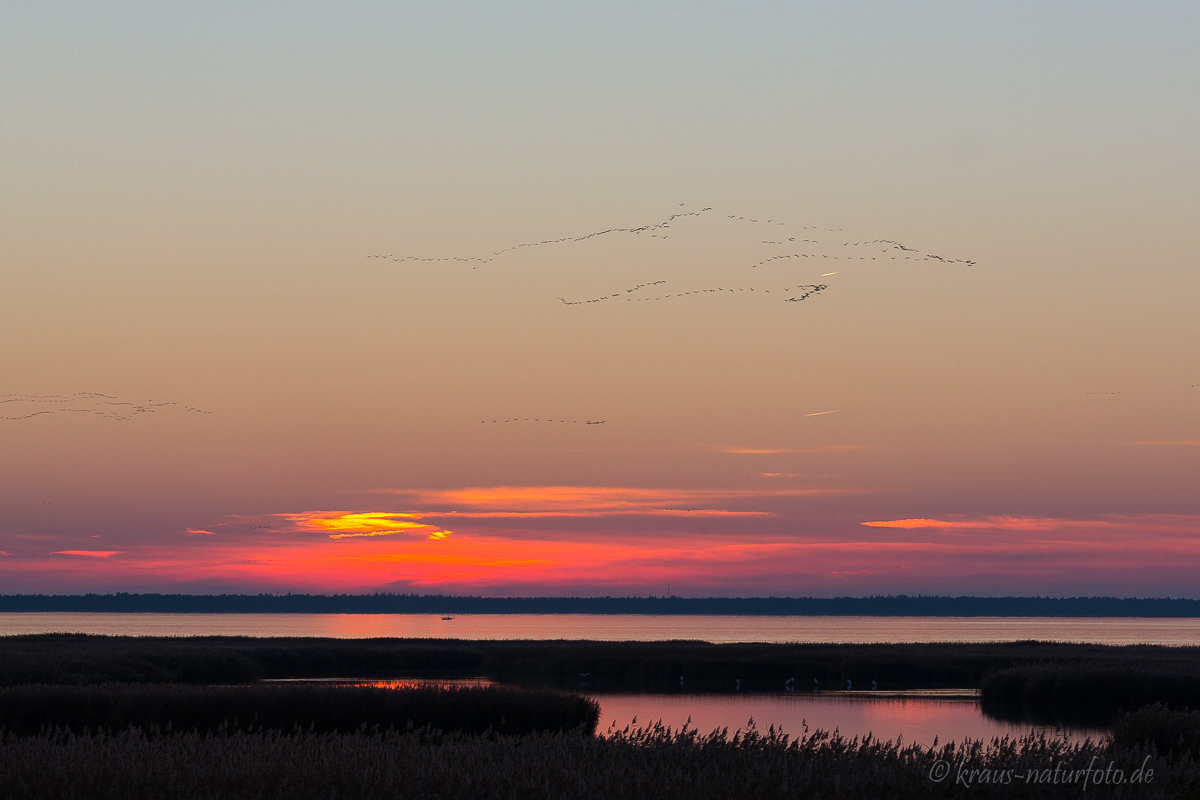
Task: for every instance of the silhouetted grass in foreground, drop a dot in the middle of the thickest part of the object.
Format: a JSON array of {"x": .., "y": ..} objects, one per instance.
[
  {"x": 29, "y": 710},
  {"x": 653, "y": 762},
  {"x": 1170, "y": 731}
]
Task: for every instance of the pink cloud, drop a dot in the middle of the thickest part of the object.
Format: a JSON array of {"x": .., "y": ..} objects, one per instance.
[
  {"x": 626, "y": 512},
  {"x": 909, "y": 523},
  {"x": 88, "y": 553},
  {"x": 997, "y": 523},
  {"x": 591, "y": 500}
]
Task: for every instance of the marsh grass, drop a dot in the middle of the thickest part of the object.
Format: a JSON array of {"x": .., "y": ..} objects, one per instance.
[
  {"x": 620, "y": 666},
  {"x": 152, "y": 708},
  {"x": 1086, "y": 693},
  {"x": 636, "y": 762},
  {"x": 1170, "y": 731}
]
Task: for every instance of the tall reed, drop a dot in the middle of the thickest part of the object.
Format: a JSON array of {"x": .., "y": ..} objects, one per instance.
[
  {"x": 30, "y": 710},
  {"x": 648, "y": 762}
]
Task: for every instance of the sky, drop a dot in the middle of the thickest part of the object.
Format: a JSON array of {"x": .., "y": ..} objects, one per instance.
[{"x": 531, "y": 298}]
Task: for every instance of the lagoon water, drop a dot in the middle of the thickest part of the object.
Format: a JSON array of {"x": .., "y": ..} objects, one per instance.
[
  {"x": 917, "y": 718},
  {"x": 627, "y": 627},
  {"x": 914, "y": 717}
]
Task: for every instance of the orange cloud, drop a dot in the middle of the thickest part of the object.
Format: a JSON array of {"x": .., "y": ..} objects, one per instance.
[
  {"x": 999, "y": 523},
  {"x": 352, "y": 525},
  {"x": 435, "y": 535},
  {"x": 88, "y": 553},
  {"x": 1110, "y": 522},
  {"x": 616, "y": 512},
  {"x": 550, "y": 498},
  {"x": 363, "y": 522},
  {"x": 590, "y": 500}
]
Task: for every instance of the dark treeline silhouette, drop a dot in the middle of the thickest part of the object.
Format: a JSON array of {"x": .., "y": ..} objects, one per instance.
[{"x": 386, "y": 603}]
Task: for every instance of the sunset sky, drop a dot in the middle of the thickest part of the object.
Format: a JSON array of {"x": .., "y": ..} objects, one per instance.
[{"x": 574, "y": 299}]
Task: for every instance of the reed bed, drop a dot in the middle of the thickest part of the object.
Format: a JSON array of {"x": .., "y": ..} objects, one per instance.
[
  {"x": 27, "y": 710},
  {"x": 612, "y": 666},
  {"x": 1086, "y": 693},
  {"x": 1080, "y": 684},
  {"x": 651, "y": 762},
  {"x": 1172, "y": 731}
]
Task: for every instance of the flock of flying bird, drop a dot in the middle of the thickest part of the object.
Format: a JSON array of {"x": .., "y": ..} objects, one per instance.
[
  {"x": 537, "y": 419},
  {"x": 805, "y": 245},
  {"x": 94, "y": 403},
  {"x": 111, "y": 407},
  {"x": 804, "y": 291},
  {"x": 477, "y": 260},
  {"x": 888, "y": 250}
]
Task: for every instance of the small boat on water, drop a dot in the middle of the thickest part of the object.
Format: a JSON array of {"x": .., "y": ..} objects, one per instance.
[{"x": 447, "y": 616}]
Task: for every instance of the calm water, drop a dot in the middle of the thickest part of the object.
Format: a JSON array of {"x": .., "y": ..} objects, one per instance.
[
  {"x": 918, "y": 719},
  {"x": 914, "y": 717},
  {"x": 1119, "y": 630}
]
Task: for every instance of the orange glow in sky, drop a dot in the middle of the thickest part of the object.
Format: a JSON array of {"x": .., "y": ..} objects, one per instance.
[
  {"x": 297, "y": 550},
  {"x": 263, "y": 330}
]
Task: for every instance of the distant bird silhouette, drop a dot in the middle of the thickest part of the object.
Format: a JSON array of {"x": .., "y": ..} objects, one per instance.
[
  {"x": 538, "y": 420},
  {"x": 893, "y": 249},
  {"x": 97, "y": 404}
]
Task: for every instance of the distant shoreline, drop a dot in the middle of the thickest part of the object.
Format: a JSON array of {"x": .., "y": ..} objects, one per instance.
[{"x": 877, "y": 606}]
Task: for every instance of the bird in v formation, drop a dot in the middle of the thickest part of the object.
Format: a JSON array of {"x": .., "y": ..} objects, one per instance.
[{"x": 93, "y": 403}]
